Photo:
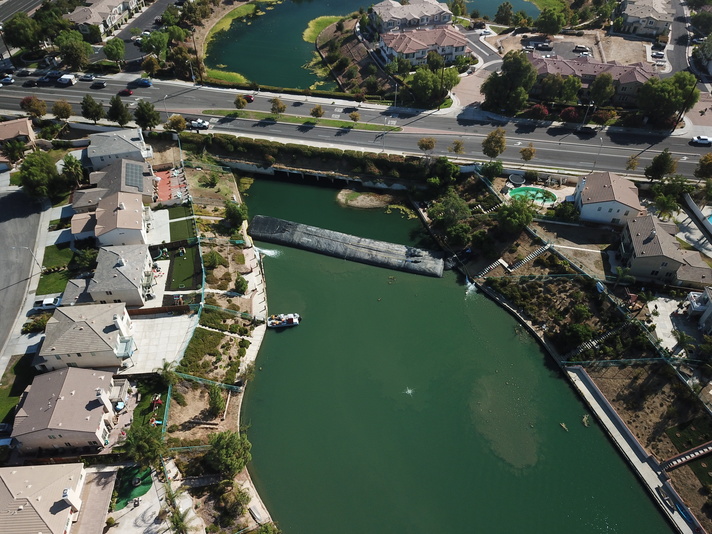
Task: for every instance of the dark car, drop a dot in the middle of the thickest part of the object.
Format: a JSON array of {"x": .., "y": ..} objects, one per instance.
[
  {"x": 44, "y": 80},
  {"x": 54, "y": 75},
  {"x": 248, "y": 98},
  {"x": 544, "y": 46},
  {"x": 30, "y": 83},
  {"x": 125, "y": 92},
  {"x": 144, "y": 82},
  {"x": 24, "y": 72},
  {"x": 98, "y": 85}
]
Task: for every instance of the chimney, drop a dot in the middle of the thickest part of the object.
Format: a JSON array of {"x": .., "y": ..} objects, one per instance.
[
  {"x": 104, "y": 399},
  {"x": 72, "y": 499}
]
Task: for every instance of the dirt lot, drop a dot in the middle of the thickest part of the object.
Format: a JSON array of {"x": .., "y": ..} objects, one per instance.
[
  {"x": 646, "y": 401},
  {"x": 603, "y": 47}
]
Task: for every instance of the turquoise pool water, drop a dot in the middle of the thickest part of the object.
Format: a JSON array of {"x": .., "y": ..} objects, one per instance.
[{"x": 535, "y": 193}]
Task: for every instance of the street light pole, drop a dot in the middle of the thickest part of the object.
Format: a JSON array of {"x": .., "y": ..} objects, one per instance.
[
  {"x": 600, "y": 147},
  {"x": 33, "y": 256},
  {"x": 2, "y": 34}
]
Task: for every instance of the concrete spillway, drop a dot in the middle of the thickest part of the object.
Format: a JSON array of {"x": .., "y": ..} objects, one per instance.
[{"x": 345, "y": 246}]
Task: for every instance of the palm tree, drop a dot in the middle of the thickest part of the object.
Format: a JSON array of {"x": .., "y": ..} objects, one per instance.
[
  {"x": 167, "y": 372},
  {"x": 623, "y": 276},
  {"x": 666, "y": 205},
  {"x": 144, "y": 445},
  {"x": 684, "y": 340},
  {"x": 180, "y": 521}
]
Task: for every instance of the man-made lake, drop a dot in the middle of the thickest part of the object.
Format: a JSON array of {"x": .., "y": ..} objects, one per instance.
[
  {"x": 409, "y": 404},
  {"x": 270, "y": 50}
]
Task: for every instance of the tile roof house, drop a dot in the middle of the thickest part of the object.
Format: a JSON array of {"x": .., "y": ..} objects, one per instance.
[
  {"x": 648, "y": 18},
  {"x": 67, "y": 408},
  {"x": 414, "y": 45},
  {"x": 120, "y": 219},
  {"x": 606, "y": 198},
  {"x": 390, "y": 15},
  {"x": 40, "y": 498},
  {"x": 106, "y": 14},
  {"x": 627, "y": 79},
  {"x": 123, "y": 274},
  {"x": 20, "y": 129},
  {"x": 93, "y": 336},
  {"x": 108, "y": 147},
  {"x": 651, "y": 252},
  {"x": 125, "y": 176}
]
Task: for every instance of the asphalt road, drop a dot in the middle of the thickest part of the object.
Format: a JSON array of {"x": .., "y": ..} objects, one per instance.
[{"x": 19, "y": 221}]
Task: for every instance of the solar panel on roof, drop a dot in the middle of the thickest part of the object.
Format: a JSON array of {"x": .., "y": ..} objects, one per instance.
[{"x": 134, "y": 176}]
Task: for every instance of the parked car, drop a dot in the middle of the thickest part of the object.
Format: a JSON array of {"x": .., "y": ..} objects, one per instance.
[
  {"x": 701, "y": 140},
  {"x": 24, "y": 72},
  {"x": 486, "y": 32},
  {"x": 138, "y": 41},
  {"x": 7, "y": 80},
  {"x": 544, "y": 46},
  {"x": 248, "y": 98},
  {"x": 98, "y": 85},
  {"x": 657, "y": 55},
  {"x": 30, "y": 83},
  {"x": 86, "y": 78},
  {"x": 54, "y": 74},
  {"x": 144, "y": 82},
  {"x": 199, "y": 124},
  {"x": 44, "y": 80},
  {"x": 125, "y": 92}
]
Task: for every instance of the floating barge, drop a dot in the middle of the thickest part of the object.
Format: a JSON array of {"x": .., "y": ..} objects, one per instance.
[{"x": 346, "y": 246}]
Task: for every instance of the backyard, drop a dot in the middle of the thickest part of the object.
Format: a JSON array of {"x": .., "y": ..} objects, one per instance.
[
  {"x": 185, "y": 271},
  {"x": 182, "y": 230}
]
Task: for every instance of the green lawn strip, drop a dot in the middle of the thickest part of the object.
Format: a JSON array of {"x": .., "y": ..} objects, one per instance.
[
  {"x": 225, "y": 76},
  {"x": 51, "y": 283},
  {"x": 557, "y": 5},
  {"x": 689, "y": 435},
  {"x": 18, "y": 375},
  {"x": 307, "y": 122},
  {"x": 318, "y": 25},
  {"x": 183, "y": 270},
  {"x": 57, "y": 256},
  {"x": 181, "y": 230},
  {"x": 60, "y": 224},
  {"x": 178, "y": 212}
]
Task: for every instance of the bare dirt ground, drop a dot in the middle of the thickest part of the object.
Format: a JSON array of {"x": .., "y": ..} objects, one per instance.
[
  {"x": 353, "y": 199},
  {"x": 647, "y": 403},
  {"x": 603, "y": 47},
  {"x": 193, "y": 421}
]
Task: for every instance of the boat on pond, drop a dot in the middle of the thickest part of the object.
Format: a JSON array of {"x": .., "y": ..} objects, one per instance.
[{"x": 283, "y": 320}]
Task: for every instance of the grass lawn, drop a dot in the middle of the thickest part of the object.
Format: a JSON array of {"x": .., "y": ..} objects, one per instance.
[
  {"x": 182, "y": 230},
  {"x": 53, "y": 282},
  {"x": 306, "y": 122},
  {"x": 185, "y": 270},
  {"x": 225, "y": 76},
  {"x": 144, "y": 411},
  {"x": 17, "y": 377},
  {"x": 125, "y": 489},
  {"x": 317, "y": 25},
  {"x": 178, "y": 212},
  {"x": 55, "y": 256}
]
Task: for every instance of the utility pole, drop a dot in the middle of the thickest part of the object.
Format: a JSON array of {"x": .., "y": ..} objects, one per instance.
[{"x": 197, "y": 59}]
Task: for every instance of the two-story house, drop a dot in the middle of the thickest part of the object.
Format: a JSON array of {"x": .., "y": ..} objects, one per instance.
[
  {"x": 390, "y": 15},
  {"x": 123, "y": 274},
  {"x": 65, "y": 409},
  {"x": 41, "y": 498},
  {"x": 414, "y": 45},
  {"x": 94, "y": 336},
  {"x": 606, "y": 198},
  {"x": 651, "y": 252},
  {"x": 106, "y": 148},
  {"x": 648, "y": 18},
  {"x": 119, "y": 219},
  {"x": 105, "y": 14},
  {"x": 122, "y": 176}
]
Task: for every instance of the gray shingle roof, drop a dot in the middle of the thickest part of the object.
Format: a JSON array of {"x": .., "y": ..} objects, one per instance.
[
  {"x": 111, "y": 143},
  {"x": 608, "y": 186},
  {"x": 119, "y": 268},
  {"x": 74, "y": 329},
  {"x": 652, "y": 238}
]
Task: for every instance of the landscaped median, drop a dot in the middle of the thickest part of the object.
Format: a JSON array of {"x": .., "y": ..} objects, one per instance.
[{"x": 306, "y": 122}]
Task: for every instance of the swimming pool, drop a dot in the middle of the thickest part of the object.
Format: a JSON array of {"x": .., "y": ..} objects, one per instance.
[{"x": 534, "y": 193}]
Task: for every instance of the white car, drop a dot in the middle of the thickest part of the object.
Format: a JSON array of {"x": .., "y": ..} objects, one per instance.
[
  {"x": 657, "y": 55},
  {"x": 199, "y": 124},
  {"x": 701, "y": 140},
  {"x": 486, "y": 32}
]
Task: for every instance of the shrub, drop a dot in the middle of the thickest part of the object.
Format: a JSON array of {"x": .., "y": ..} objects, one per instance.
[
  {"x": 216, "y": 400},
  {"x": 569, "y": 114},
  {"x": 538, "y": 112},
  {"x": 602, "y": 116},
  {"x": 179, "y": 398}
]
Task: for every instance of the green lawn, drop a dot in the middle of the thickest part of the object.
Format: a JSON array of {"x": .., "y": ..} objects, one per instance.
[
  {"x": 144, "y": 409},
  {"x": 182, "y": 230},
  {"x": 18, "y": 375},
  {"x": 125, "y": 489},
  {"x": 185, "y": 270},
  {"x": 178, "y": 212},
  {"x": 54, "y": 282},
  {"x": 55, "y": 256},
  {"x": 318, "y": 25},
  {"x": 305, "y": 121}
]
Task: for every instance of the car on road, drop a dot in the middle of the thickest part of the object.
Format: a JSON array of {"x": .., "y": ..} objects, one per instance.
[
  {"x": 98, "y": 85},
  {"x": 54, "y": 74},
  {"x": 138, "y": 41},
  {"x": 248, "y": 98},
  {"x": 86, "y": 78},
  {"x": 24, "y": 72},
  {"x": 7, "y": 80},
  {"x": 30, "y": 83},
  {"x": 144, "y": 82},
  {"x": 199, "y": 124},
  {"x": 701, "y": 140},
  {"x": 698, "y": 40},
  {"x": 125, "y": 92},
  {"x": 44, "y": 80}
]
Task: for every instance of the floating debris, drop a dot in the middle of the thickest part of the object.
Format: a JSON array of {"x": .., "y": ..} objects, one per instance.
[
  {"x": 563, "y": 425},
  {"x": 586, "y": 420}
]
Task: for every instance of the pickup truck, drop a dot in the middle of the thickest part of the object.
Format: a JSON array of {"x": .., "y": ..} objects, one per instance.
[
  {"x": 47, "y": 304},
  {"x": 199, "y": 124}
]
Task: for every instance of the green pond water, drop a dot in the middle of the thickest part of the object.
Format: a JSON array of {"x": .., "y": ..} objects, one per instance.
[
  {"x": 409, "y": 404},
  {"x": 269, "y": 49}
]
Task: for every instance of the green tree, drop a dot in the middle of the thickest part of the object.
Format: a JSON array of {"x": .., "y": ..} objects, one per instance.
[
  {"x": 449, "y": 78},
  {"x": 665, "y": 98},
  {"x": 268, "y": 528},
  {"x": 180, "y": 521},
  {"x": 495, "y": 143},
  {"x": 515, "y": 215},
  {"x": 115, "y": 50},
  {"x": 704, "y": 167},
  {"x": 21, "y": 31},
  {"x": 666, "y": 206},
  {"x": 505, "y": 14},
  {"x": 550, "y": 21},
  {"x": 317, "y": 111},
  {"x": 458, "y": 147},
  {"x": 602, "y": 89},
  {"x": 216, "y": 400},
  {"x": 13, "y": 150},
  {"x": 527, "y": 153},
  {"x": 74, "y": 50},
  {"x": 632, "y": 163},
  {"x": 235, "y": 213},
  {"x": 146, "y": 115},
  {"x": 229, "y": 453},
  {"x": 68, "y": 36},
  {"x": 703, "y": 21},
  {"x": 355, "y": 116},
  {"x": 144, "y": 445},
  {"x": 570, "y": 89},
  {"x": 458, "y": 8},
  {"x": 33, "y": 106},
  {"x": 508, "y": 89},
  {"x": 278, "y": 107},
  {"x": 38, "y": 175},
  {"x": 449, "y": 210},
  {"x": 550, "y": 87},
  {"x": 176, "y": 123},
  {"x": 156, "y": 43},
  {"x": 424, "y": 85},
  {"x": 240, "y": 102},
  {"x": 176, "y": 34},
  {"x": 623, "y": 276},
  {"x": 674, "y": 186},
  {"x": 492, "y": 169},
  {"x": 661, "y": 165},
  {"x": 72, "y": 171},
  {"x": 427, "y": 144},
  {"x": 150, "y": 65},
  {"x": 118, "y": 111},
  {"x": 62, "y": 109},
  {"x": 91, "y": 109},
  {"x": 435, "y": 61}
]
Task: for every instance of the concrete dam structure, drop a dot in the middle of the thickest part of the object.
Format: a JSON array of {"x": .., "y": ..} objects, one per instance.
[{"x": 345, "y": 246}]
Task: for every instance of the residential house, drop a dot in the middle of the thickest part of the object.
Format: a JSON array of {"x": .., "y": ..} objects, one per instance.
[
  {"x": 649, "y": 18},
  {"x": 76, "y": 292},
  {"x": 651, "y": 252},
  {"x": 120, "y": 219},
  {"x": 390, "y": 15},
  {"x": 627, "y": 79},
  {"x": 18, "y": 129},
  {"x": 414, "y": 45},
  {"x": 123, "y": 274},
  {"x": 699, "y": 306},
  {"x": 92, "y": 336},
  {"x": 124, "y": 176},
  {"x": 65, "y": 409},
  {"x": 41, "y": 498},
  {"x": 105, "y": 14},
  {"x": 106, "y": 148},
  {"x": 606, "y": 198}
]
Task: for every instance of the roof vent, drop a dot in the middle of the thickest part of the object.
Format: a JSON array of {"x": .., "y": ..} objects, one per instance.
[
  {"x": 72, "y": 392},
  {"x": 122, "y": 206}
]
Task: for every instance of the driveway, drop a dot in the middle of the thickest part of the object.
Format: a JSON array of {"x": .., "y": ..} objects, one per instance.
[{"x": 96, "y": 497}]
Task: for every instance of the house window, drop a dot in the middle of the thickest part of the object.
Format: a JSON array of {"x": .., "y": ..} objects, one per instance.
[
  {"x": 93, "y": 443},
  {"x": 102, "y": 158},
  {"x": 52, "y": 437},
  {"x": 626, "y": 213},
  {"x": 102, "y": 302},
  {"x": 79, "y": 354},
  {"x": 109, "y": 293},
  {"x": 668, "y": 275},
  {"x": 58, "y": 356},
  {"x": 117, "y": 300},
  {"x": 67, "y": 444},
  {"x": 664, "y": 264},
  {"x": 623, "y": 88},
  {"x": 654, "y": 273},
  {"x": 610, "y": 210},
  {"x": 71, "y": 364},
  {"x": 599, "y": 208}
]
